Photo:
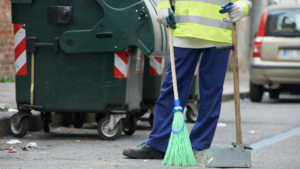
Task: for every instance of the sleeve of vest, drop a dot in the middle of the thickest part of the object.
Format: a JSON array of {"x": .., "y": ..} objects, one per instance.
[
  {"x": 246, "y": 5},
  {"x": 162, "y": 4}
]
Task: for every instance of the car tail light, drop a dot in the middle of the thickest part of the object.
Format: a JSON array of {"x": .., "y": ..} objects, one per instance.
[{"x": 261, "y": 33}]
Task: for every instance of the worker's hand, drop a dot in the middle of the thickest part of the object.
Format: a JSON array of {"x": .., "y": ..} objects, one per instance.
[
  {"x": 236, "y": 11},
  {"x": 166, "y": 17}
]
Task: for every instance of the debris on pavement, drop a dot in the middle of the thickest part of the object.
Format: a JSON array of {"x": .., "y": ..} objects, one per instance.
[
  {"x": 13, "y": 142},
  {"x": 13, "y": 110},
  {"x": 221, "y": 124},
  {"x": 1, "y": 143},
  {"x": 3, "y": 108},
  {"x": 25, "y": 148},
  {"x": 31, "y": 145},
  {"x": 12, "y": 149},
  {"x": 49, "y": 145},
  {"x": 251, "y": 131}
]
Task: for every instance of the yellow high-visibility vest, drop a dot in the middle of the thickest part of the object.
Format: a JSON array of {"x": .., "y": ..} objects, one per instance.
[{"x": 201, "y": 19}]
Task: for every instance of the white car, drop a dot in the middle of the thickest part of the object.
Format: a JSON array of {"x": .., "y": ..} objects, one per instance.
[{"x": 275, "y": 65}]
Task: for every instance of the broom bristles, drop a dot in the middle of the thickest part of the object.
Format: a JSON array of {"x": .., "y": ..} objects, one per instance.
[{"x": 179, "y": 151}]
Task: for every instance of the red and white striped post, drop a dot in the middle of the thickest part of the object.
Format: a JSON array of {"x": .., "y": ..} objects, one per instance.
[{"x": 20, "y": 50}]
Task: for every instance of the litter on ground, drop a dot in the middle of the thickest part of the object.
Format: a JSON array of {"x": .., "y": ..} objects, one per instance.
[{"x": 13, "y": 142}]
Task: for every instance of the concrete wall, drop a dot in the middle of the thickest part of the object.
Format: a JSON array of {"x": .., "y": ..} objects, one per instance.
[
  {"x": 6, "y": 39},
  {"x": 247, "y": 28}
]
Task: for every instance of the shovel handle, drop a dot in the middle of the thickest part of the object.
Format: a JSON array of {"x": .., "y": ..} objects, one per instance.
[
  {"x": 234, "y": 55},
  {"x": 225, "y": 47}
]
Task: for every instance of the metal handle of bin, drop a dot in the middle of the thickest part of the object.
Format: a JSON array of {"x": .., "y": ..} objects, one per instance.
[{"x": 32, "y": 45}]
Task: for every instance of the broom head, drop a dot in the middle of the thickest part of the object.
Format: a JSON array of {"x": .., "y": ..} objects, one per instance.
[{"x": 179, "y": 151}]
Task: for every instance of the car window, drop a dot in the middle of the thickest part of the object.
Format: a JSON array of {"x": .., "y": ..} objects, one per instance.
[{"x": 283, "y": 22}]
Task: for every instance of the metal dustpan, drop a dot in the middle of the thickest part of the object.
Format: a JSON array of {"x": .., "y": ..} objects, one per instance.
[{"x": 240, "y": 154}]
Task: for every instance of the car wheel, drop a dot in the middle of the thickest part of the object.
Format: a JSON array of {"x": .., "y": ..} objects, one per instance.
[
  {"x": 274, "y": 94},
  {"x": 256, "y": 92}
]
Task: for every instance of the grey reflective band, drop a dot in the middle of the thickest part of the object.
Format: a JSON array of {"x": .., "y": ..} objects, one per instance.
[
  {"x": 202, "y": 21},
  {"x": 159, "y": 1},
  {"x": 215, "y": 2}
]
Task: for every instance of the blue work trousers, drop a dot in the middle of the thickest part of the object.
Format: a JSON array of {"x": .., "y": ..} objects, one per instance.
[{"x": 212, "y": 73}]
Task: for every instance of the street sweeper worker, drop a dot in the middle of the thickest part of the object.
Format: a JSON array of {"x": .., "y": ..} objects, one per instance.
[{"x": 198, "y": 28}]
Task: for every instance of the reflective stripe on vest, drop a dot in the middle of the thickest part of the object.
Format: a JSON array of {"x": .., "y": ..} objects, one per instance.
[
  {"x": 202, "y": 21},
  {"x": 215, "y": 2}
]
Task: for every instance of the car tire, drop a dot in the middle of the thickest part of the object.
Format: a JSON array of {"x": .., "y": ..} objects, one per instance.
[
  {"x": 274, "y": 94},
  {"x": 256, "y": 92}
]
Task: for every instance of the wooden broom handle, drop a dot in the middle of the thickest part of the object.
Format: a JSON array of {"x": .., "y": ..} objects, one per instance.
[
  {"x": 235, "y": 65},
  {"x": 173, "y": 68}
]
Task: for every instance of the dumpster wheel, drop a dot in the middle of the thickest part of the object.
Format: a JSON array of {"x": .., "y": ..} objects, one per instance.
[
  {"x": 99, "y": 116},
  {"x": 46, "y": 121},
  {"x": 130, "y": 126},
  {"x": 78, "y": 120},
  {"x": 21, "y": 130},
  {"x": 106, "y": 133},
  {"x": 191, "y": 116},
  {"x": 151, "y": 118}
]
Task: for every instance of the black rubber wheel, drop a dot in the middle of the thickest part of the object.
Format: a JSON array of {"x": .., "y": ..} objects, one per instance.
[
  {"x": 143, "y": 111},
  {"x": 78, "y": 120},
  {"x": 256, "y": 92},
  {"x": 107, "y": 134},
  {"x": 21, "y": 130},
  {"x": 191, "y": 116},
  {"x": 274, "y": 94},
  {"x": 130, "y": 126},
  {"x": 151, "y": 118},
  {"x": 46, "y": 121},
  {"x": 99, "y": 116}
]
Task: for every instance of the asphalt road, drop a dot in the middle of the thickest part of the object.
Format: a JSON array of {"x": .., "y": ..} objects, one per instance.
[{"x": 272, "y": 127}]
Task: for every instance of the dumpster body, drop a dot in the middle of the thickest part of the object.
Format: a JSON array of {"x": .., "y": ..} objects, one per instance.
[
  {"x": 154, "y": 75},
  {"x": 75, "y": 56},
  {"x": 193, "y": 99}
]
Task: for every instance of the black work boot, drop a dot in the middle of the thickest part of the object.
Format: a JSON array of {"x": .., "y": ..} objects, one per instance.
[
  {"x": 143, "y": 151},
  {"x": 196, "y": 151}
]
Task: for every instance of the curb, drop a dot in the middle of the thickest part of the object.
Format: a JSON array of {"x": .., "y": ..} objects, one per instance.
[
  {"x": 35, "y": 124},
  {"x": 229, "y": 97}
]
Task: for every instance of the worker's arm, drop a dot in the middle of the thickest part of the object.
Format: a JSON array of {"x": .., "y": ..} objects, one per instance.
[
  {"x": 237, "y": 9},
  {"x": 165, "y": 14}
]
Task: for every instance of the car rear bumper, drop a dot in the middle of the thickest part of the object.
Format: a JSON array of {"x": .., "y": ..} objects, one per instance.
[{"x": 262, "y": 72}]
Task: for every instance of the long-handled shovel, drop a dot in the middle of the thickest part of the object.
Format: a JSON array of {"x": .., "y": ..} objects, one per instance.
[{"x": 238, "y": 156}]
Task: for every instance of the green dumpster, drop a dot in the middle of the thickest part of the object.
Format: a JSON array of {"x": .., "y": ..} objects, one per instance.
[
  {"x": 193, "y": 98},
  {"x": 75, "y": 56},
  {"x": 154, "y": 75}
]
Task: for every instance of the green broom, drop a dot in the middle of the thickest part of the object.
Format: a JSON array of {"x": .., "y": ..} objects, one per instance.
[{"x": 179, "y": 151}]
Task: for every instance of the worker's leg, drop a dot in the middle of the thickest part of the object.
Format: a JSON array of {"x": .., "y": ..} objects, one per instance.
[
  {"x": 186, "y": 63},
  {"x": 212, "y": 73}
]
